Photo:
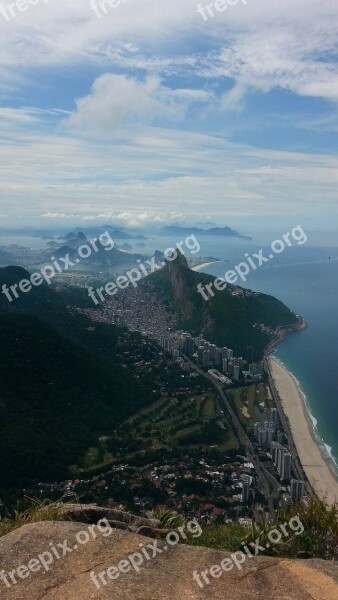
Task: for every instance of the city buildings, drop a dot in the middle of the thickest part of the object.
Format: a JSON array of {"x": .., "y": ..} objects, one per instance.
[
  {"x": 246, "y": 488},
  {"x": 297, "y": 489},
  {"x": 264, "y": 434},
  {"x": 249, "y": 355},
  {"x": 274, "y": 415},
  {"x": 209, "y": 356},
  {"x": 282, "y": 460}
]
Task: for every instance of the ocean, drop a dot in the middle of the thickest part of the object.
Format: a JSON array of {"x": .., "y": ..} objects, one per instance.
[{"x": 306, "y": 279}]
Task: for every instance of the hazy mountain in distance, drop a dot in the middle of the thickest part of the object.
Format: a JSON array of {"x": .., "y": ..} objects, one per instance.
[
  {"x": 116, "y": 233},
  {"x": 4, "y": 257},
  {"x": 224, "y": 232},
  {"x": 127, "y": 247},
  {"x": 103, "y": 256}
]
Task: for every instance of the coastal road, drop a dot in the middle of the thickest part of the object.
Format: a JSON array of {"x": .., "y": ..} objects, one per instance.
[
  {"x": 267, "y": 484},
  {"x": 293, "y": 450}
]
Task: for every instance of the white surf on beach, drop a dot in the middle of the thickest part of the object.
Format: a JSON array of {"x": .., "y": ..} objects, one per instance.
[{"x": 316, "y": 456}]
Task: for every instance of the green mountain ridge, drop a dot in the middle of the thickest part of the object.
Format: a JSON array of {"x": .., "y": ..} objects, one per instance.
[
  {"x": 61, "y": 383},
  {"x": 230, "y": 318},
  {"x": 64, "y": 380}
]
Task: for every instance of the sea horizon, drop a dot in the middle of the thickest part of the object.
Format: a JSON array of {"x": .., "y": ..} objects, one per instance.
[{"x": 305, "y": 279}]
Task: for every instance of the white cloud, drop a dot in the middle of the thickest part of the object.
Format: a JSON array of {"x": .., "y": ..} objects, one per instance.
[
  {"x": 108, "y": 158},
  {"x": 150, "y": 173},
  {"x": 263, "y": 44},
  {"x": 117, "y": 99},
  {"x": 54, "y": 215},
  {"x": 233, "y": 100}
]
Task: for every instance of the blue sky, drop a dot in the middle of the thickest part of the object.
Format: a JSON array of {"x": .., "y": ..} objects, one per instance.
[{"x": 151, "y": 114}]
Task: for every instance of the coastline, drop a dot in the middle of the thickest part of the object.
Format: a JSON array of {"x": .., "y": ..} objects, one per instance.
[
  {"x": 321, "y": 477},
  {"x": 203, "y": 265}
]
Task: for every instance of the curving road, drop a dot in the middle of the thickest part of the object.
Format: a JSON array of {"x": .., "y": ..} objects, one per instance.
[{"x": 267, "y": 484}]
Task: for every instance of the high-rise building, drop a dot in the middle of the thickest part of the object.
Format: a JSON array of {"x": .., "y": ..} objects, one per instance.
[
  {"x": 261, "y": 436},
  {"x": 240, "y": 362},
  {"x": 297, "y": 489},
  {"x": 279, "y": 459},
  {"x": 269, "y": 436},
  {"x": 280, "y": 437},
  {"x": 166, "y": 343},
  {"x": 249, "y": 355},
  {"x": 236, "y": 373},
  {"x": 256, "y": 369},
  {"x": 284, "y": 463},
  {"x": 224, "y": 351},
  {"x": 225, "y": 365},
  {"x": 265, "y": 436},
  {"x": 212, "y": 350},
  {"x": 274, "y": 452},
  {"x": 190, "y": 345},
  {"x": 206, "y": 358},
  {"x": 230, "y": 353},
  {"x": 231, "y": 368},
  {"x": 246, "y": 488},
  {"x": 217, "y": 359},
  {"x": 274, "y": 415}
]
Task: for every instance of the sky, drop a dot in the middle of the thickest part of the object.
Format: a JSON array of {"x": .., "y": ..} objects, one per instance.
[{"x": 144, "y": 112}]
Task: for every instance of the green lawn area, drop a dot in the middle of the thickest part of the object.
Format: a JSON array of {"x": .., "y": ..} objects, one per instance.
[
  {"x": 252, "y": 403},
  {"x": 190, "y": 422}
]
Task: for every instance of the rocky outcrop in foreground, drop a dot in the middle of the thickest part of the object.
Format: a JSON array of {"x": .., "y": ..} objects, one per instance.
[{"x": 29, "y": 556}]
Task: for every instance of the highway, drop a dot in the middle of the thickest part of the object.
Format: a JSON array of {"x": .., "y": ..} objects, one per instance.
[
  {"x": 285, "y": 423},
  {"x": 267, "y": 484}
]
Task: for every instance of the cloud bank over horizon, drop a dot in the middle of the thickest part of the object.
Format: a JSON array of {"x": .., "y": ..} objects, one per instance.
[{"x": 149, "y": 109}]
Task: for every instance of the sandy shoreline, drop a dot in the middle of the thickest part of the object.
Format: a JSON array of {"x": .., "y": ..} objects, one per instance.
[
  {"x": 316, "y": 468},
  {"x": 206, "y": 264}
]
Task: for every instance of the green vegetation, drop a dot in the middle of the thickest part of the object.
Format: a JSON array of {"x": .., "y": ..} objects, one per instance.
[
  {"x": 182, "y": 421},
  {"x": 252, "y": 403},
  {"x": 226, "y": 319},
  {"x": 319, "y": 539},
  {"x": 64, "y": 382},
  {"x": 56, "y": 399},
  {"x": 170, "y": 519},
  {"x": 68, "y": 383},
  {"x": 35, "y": 512}
]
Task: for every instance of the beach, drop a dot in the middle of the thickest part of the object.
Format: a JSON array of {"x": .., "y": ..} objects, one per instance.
[
  {"x": 203, "y": 265},
  {"x": 316, "y": 468}
]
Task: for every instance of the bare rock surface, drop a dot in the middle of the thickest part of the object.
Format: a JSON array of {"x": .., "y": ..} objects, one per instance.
[{"x": 167, "y": 576}]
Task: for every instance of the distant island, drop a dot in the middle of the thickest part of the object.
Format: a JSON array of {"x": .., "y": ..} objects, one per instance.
[
  {"x": 225, "y": 232},
  {"x": 90, "y": 232}
]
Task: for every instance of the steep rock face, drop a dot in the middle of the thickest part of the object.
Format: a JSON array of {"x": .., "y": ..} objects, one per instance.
[
  {"x": 178, "y": 275},
  {"x": 167, "y": 576},
  {"x": 186, "y": 298},
  {"x": 232, "y": 316}
]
